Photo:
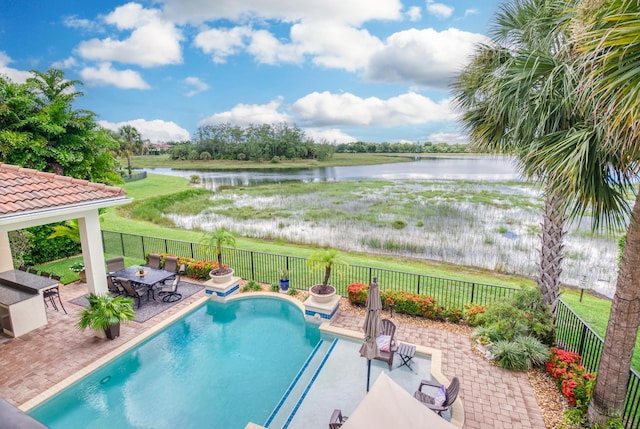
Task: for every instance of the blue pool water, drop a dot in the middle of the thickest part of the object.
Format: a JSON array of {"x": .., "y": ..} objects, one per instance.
[{"x": 220, "y": 366}]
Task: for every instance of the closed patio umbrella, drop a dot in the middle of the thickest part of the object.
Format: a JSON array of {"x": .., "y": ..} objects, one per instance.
[{"x": 372, "y": 326}]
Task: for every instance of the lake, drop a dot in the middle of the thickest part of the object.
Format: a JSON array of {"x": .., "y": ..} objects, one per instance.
[{"x": 489, "y": 168}]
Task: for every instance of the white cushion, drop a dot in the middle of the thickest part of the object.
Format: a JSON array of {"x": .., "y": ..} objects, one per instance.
[{"x": 384, "y": 342}]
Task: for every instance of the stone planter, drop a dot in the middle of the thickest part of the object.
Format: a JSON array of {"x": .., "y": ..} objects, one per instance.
[
  {"x": 113, "y": 331},
  {"x": 322, "y": 298},
  {"x": 221, "y": 279},
  {"x": 485, "y": 349},
  {"x": 83, "y": 276}
]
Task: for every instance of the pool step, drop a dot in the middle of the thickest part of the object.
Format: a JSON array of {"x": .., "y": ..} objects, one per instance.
[{"x": 292, "y": 398}]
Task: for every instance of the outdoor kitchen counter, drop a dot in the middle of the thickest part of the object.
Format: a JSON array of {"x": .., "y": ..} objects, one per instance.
[{"x": 21, "y": 303}]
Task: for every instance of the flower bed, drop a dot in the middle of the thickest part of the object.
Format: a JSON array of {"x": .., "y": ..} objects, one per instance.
[
  {"x": 403, "y": 302},
  {"x": 195, "y": 268},
  {"x": 572, "y": 379}
]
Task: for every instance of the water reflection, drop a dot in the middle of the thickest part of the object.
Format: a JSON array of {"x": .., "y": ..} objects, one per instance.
[{"x": 460, "y": 168}]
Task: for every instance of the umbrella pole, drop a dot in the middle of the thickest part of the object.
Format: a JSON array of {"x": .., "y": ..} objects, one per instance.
[{"x": 368, "y": 372}]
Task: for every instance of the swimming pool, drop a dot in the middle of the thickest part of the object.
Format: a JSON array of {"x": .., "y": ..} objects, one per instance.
[{"x": 220, "y": 366}]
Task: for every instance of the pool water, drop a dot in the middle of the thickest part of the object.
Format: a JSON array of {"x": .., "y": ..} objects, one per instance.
[{"x": 220, "y": 366}]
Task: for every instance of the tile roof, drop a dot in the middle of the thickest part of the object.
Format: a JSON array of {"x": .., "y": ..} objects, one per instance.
[{"x": 24, "y": 189}]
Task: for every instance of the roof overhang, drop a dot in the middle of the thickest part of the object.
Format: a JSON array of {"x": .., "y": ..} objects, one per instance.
[{"x": 26, "y": 219}]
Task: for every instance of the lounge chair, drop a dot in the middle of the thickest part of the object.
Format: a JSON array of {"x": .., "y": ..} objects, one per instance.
[
  {"x": 170, "y": 291},
  {"x": 154, "y": 261},
  {"x": 436, "y": 402},
  {"x": 388, "y": 328},
  {"x": 337, "y": 419},
  {"x": 115, "y": 264},
  {"x": 132, "y": 292}
]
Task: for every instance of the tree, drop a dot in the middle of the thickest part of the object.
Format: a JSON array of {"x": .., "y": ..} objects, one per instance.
[
  {"x": 609, "y": 44},
  {"x": 129, "y": 142},
  {"x": 512, "y": 95}
]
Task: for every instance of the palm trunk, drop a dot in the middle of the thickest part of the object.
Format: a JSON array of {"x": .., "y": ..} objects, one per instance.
[
  {"x": 550, "y": 265},
  {"x": 620, "y": 339}
]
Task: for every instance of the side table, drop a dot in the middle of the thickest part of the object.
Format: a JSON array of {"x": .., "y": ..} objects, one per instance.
[{"x": 406, "y": 353}]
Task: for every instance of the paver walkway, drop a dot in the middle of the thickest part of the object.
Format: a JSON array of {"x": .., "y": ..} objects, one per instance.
[{"x": 493, "y": 397}]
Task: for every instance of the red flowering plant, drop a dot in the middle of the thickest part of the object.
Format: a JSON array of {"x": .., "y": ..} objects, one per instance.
[
  {"x": 571, "y": 377},
  {"x": 474, "y": 314},
  {"x": 357, "y": 293}
]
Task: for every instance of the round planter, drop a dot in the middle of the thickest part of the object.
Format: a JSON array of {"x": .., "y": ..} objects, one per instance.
[
  {"x": 113, "y": 331},
  {"x": 221, "y": 279},
  {"x": 284, "y": 285},
  {"x": 322, "y": 298}
]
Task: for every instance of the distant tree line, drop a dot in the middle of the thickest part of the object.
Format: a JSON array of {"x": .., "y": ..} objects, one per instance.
[
  {"x": 265, "y": 142},
  {"x": 427, "y": 147}
]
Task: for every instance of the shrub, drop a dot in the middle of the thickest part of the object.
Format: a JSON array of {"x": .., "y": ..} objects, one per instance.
[
  {"x": 536, "y": 351},
  {"x": 485, "y": 334},
  {"x": 507, "y": 320},
  {"x": 205, "y": 156},
  {"x": 252, "y": 286},
  {"x": 510, "y": 355},
  {"x": 241, "y": 156},
  {"x": 474, "y": 314},
  {"x": 195, "y": 268},
  {"x": 275, "y": 287},
  {"x": 194, "y": 179},
  {"x": 399, "y": 224},
  {"x": 571, "y": 377},
  {"x": 357, "y": 293},
  {"x": 292, "y": 291},
  {"x": 537, "y": 315},
  {"x": 275, "y": 160}
]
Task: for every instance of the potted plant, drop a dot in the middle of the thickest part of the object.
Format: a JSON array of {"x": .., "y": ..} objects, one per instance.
[
  {"x": 217, "y": 240},
  {"x": 326, "y": 259},
  {"x": 105, "y": 313},
  {"x": 78, "y": 267},
  {"x": 284, "y": 279}
]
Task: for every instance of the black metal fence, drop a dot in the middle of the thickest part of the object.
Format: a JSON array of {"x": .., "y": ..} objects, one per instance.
[
  {"x": 572, "y": 333},
  {"x": 134, "y": 176}
]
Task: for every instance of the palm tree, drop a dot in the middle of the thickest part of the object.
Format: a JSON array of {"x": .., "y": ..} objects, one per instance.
[
  {"x": 217, "y": 240},
  {"x": 130, "y": 140},
  {"x": 609, "y": 41},
  {"x": 512, "y": 94}
]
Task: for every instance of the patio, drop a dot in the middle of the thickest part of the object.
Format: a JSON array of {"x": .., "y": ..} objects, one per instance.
[{"x": 35, "y": 362}]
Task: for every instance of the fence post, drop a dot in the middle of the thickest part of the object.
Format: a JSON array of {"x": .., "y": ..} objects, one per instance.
[
  {"x": 370, "y": 274},
  {"x": 191, "y": 245},
  {"x": 253, "y": 272},
  {"x": 166, "y": 246},
  {"x": 419, "y": 278},
  {"x": 582, "y": 337},
  {"x": 142, "y": 241},
  {"x": 121, "y": 244},
  {"x": 473, "y": 292}
]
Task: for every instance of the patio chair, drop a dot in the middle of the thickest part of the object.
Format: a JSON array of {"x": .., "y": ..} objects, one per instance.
[
  {"x": 45, "y": 274},
  {"x": 337, "y": 419},
  {"x": 154, "y": 261},
  {"x": 114, "y": 286},
  {"x": 115, "y": 264},
  {"x": 132, "y": 292},
  {"x": 52, "y": 293},
  {"x": 388, "y": 328},
  {"x": 32, "y": 271},
  {"x": 170, "y": 291},
  {"x": 22, "y": 267},
  {"x": 443, "y": 398},
  {"x": 171, "y": 264}
]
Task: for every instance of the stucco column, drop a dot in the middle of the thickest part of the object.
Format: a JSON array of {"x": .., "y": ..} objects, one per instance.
[
  {"x": 92, "y": 253},
  {"x": 6, "y": 260}
]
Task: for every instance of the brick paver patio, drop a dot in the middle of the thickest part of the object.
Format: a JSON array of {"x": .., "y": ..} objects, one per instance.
[{"x": 493, "y": 397}]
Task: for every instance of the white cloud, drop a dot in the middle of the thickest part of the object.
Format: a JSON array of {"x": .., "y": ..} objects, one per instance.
[
  {"x": 329, "y": 135},
  {"x": 195, "y": 86},
  {"x": 425, "y": 57},
  {"x": 439, "y": 10},
  {"x": 268, "y": 50},
  {"x": 83, "y": 24},
  {"x": 470, "y": 12},
  {"x": 221, "y": 43},
  {"x": 414, "y": 13},
  {"x": 451, "y": 138},
  {"x": 353, "y": 12},
  {"x": 152, "y": 42},
  {"x": 65, "y": 64},
  {"x": 106, "y": 75},
  {"x": 247, "y": 114},
  {"x": 16, "y": 76},
  {"x": 327, "y": 109},
  {"x": 156, "y": 131}
]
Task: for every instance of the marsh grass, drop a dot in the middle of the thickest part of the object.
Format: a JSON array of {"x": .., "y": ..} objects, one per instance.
[{"x": 483, "y": 224}]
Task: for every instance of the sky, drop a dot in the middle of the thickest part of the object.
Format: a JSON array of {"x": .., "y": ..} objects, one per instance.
[{"x": 341, "y": 70}]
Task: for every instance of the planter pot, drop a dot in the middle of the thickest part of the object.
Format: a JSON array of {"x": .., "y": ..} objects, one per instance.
[
  {"x": 284, "y": 285},
  {"x": 83, "y": 276},
  {"x": 113, "y": 331},
  {"x": 322, "y": 298},
  {"x": 485, "y": 349},
  {"x": 220, "y": 278},
  {"x": 100, "y": 333}
]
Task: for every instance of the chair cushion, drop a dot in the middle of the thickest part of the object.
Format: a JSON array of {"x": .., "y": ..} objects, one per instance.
[
  {"x": 384, "y": 342},
  {"x": 440, "y": 397}
]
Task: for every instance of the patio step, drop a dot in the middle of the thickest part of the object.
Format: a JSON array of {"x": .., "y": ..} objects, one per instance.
[{"x": 293, "y": 397}]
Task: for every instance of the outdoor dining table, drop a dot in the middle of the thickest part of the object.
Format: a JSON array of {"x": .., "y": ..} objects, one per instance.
[{"x": 149, "y": 277}]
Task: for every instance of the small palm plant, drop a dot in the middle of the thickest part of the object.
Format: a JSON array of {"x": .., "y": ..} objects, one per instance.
[
  {"x": 326, "y": 259},
  {"x": 105, "y": 311},
  {"x": 217, "y": 240}
]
